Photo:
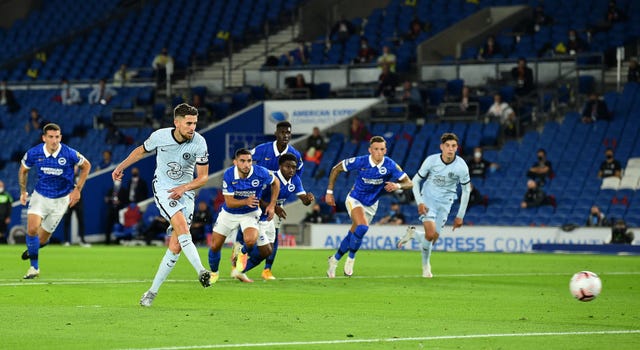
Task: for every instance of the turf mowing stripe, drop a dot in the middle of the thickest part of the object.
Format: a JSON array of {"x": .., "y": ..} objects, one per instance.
[
  {"x": 355, "y": 341},
  {"x": 12, "y": 282}
]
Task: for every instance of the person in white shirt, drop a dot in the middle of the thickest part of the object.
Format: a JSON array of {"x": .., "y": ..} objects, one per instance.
[
  {"x": 68, "y": 94},
  {"x": 102, "y": 93}
]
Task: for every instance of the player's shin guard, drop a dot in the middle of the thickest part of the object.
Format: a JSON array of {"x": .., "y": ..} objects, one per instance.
[
  {"x": 214, "y": 260},
  {"x": 426, "y": 251},
  {"x": 272, "y": 256},
  {"x": 356, "y": 239},
  {"x": 166, "y": 266},
  {"x": 190, "y": 251},
  {"x": 33, "y": 246},
  {"x": 344, "y": 246}
]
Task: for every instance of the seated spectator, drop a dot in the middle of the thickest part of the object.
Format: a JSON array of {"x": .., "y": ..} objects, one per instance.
[
  {"x": 504, "y": 113},
  {"x": 541, "y": 170},
  {"x": 393, "y": 217},
  {"x": 300, "y": 55},
  {"x": 572, "y": 46},
  {"x": 540, "y": 19},
  {"x": 102, "y": 93},
  {"x": 415, "y": 29},
  {"x": 523, "y": 77},
  {"x": 412, "y": 98},
  {"x": 201, "y": 218},
  {"x": 535, "y": 196},
  {"x": 633, "y": 74},
  {"x": 366, "y": 54},
  {"x": 387, "y": 82},
  {"x": 106, "y": 160},
  {"x": 317, "y": 216},
  {"x": 8, "y": 99},
  {"x": 315, "y": 146},
  {"x": 387, "y": 59},
  {"x": 610, "y": 166},
  {"x": 131, "y": 222},
  {"x": 466, "y": 99},
  {"x": 36, "y": 121},
  {"x": 163, "y": 67},
  {"x": 476, "y": 198},
  {"x": 595, "y": 109},
  {"x": 205, "y": 115},
  {"x": 69, "y": 95},
  {"x": 596, "y": 218},
  {"x": 478, "y": 166},
  {"x": 491, "y": 49},
  {"x": 299, "y": 87},
  {"x": 358, "y": 132},
  {"x": 123, "y": 76},
  {"x": 157, "y": 226},
  {"x": 114, "y": 136},
  {"x": 342, "y": 30}
]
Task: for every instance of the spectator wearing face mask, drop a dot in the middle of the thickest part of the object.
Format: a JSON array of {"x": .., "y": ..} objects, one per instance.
[
  {"x": 393, "y": 217},
  {"x": 138, "y": 189},
  {"x": 541, "y": 170},
  {"x": 610, "y": 166},
  {"x": 480, "y": 167},
  {"x": 596, "y": 218}
]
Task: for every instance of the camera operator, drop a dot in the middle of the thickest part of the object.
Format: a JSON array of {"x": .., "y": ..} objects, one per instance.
[{"x": 620, "y": 233}]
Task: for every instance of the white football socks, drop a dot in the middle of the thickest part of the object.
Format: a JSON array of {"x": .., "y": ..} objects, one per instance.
[
  {"x": 190, "y": 251},
  {"x": 166, "y": 265}
]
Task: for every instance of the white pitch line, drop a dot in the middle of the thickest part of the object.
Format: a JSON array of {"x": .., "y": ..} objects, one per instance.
[
  {"x": 389, "y": 340},
  {"x": 73, "y": 281}
]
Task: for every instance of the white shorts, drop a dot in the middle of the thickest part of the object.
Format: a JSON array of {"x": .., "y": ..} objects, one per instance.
[
  {"x": 268, "y": 228},
  {"x": 438, "y": 212},
  {"x": 227, "y": 224},
  {"x": 169, "y": 207},
  {"x": 369, "y": 210},
  {"x": 51, "y": 210}
]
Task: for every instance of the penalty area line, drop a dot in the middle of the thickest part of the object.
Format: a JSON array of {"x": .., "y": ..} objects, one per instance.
[{"x": 389, "y": 340}]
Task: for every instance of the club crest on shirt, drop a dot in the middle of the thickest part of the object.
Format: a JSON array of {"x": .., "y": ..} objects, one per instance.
[
  {"x": 451, "y": 175},
  {"x": 62, "y": 161},
  {"x": 173, "y": 204},
  {"x": 186, "y": 156},
  {"x": 255, "y": 183},
  {"x": 291, "y": 187},
  {"x": 383, "y": 170}
]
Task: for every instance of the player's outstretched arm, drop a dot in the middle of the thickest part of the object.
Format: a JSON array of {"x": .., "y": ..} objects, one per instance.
[{"x": 133, "y": 157}]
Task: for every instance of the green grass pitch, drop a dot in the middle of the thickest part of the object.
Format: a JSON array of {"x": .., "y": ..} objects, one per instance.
[{"x": 87, "y": 298}]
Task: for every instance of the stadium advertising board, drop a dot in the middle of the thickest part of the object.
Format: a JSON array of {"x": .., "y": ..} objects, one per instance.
[
  {"x": 306, "y": 114},
  {"x": 467, "y": 239}
]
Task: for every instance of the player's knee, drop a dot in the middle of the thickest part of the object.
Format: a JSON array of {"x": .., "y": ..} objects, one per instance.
[{"x": 361, "y": 230}]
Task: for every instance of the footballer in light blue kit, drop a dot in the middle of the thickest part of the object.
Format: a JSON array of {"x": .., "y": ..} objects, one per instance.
[
  {"x": 376, "y": 173},
  {"x": 242, "y": 187},
  {"x": 441, "y": 174},
  {"x": 54, "y": 192},
  {"x": 290, "y": 186},
  {"x": 180, "y": 153}
]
